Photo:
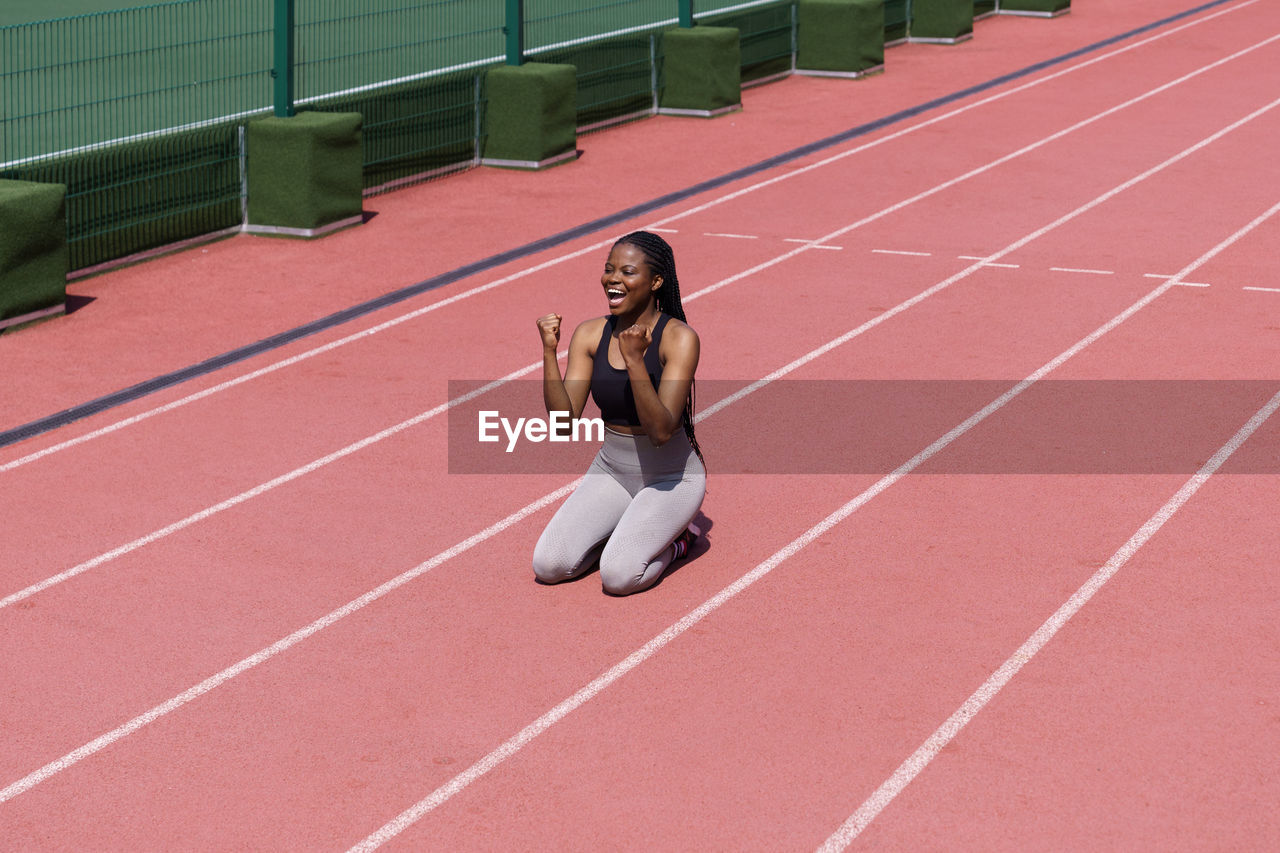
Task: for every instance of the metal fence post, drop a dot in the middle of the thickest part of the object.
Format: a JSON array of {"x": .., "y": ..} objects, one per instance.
[
  {"x": 282, "y": 69},
  {"x": 686, "y": 13},
  {"x": 514, "y": 30}
]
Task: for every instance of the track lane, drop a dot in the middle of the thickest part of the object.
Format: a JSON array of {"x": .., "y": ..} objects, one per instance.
[
  {"x": 1172, "y": 27},
  {"x": 1150, "y": 721},
  {"x": 1151, "y": 663},
  {"x": 746, "y": 727},
  {"x": 285, "y": 596},
  {"x": 331, "y": 409},
  {"x": 992, "y": 270}
]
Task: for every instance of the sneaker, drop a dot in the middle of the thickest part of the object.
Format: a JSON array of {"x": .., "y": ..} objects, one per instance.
[{"x": 684, "y": 542}]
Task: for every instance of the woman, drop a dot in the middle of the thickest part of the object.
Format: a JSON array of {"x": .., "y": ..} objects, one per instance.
[{"x": 633, "y": 510}]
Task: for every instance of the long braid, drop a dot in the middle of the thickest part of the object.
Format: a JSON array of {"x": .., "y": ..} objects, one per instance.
[{"x": 662, "y": 262}]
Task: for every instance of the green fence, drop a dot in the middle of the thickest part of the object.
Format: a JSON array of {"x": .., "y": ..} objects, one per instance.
[
  {"x": 413, "y": 69},
  {"x": 766, "y": 32},
  {"x": 141, "y": 112},
  {"x": 614, "y": 45},
  {"x": 897, "y": 20},
  {"x": 138, "y": 113}
]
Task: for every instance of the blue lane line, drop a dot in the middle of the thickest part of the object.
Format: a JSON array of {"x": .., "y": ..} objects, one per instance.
[{"x": 168, "y": 380}]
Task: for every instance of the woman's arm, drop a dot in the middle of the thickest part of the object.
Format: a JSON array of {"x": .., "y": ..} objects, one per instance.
[
  {"x": 661, "y": 409},
  {"x": 570, "y": 393}
]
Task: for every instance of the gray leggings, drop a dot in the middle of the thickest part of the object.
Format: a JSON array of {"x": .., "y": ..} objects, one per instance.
[{"x": 635, "y": 500}]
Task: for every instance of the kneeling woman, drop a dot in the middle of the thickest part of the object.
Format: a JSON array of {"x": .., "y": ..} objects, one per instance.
[{"x": 635, "y": 506}]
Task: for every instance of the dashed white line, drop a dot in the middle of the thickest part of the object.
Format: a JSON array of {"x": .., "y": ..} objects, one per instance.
[
  {"x": 1263, "y": 289},
  {"x": 897, "y": 252},
  {"x": 663, "y": 230},
  {"x": 1086, "y": 272},
  {"x": 980, "y": 258},
  {"x": 812, "y": 245},
  {"x": 731, "y": 236},
  {"x": 1181, "y": 283}
]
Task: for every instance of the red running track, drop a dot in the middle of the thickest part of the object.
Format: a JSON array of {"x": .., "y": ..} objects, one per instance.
[{"x": 201, "y": 652}]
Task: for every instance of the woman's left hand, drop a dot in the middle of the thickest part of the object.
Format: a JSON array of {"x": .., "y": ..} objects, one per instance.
[{"x": 632, "y": 342}]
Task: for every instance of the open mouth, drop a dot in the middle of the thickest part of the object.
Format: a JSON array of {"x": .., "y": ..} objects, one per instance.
[{"x": 616, "y": 295}]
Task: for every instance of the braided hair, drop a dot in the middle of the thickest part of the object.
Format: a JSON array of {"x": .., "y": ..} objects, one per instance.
[{"x": 662, "y": 262}]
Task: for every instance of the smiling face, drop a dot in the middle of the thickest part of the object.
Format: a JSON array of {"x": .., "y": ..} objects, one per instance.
[{"x": 629, "y": 283}]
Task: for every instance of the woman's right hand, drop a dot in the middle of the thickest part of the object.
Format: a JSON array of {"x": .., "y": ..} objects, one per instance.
[{"x": 549, "y": 328}]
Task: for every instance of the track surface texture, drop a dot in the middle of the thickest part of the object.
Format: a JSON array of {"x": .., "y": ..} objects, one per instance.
[{"x": 269, "y": 608}]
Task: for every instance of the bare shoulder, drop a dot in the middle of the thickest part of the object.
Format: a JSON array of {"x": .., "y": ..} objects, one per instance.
[
  {"x": 679, "y": 344},
  {"x": 588, "y": 332},
  {"x": 680, "y": 333}
]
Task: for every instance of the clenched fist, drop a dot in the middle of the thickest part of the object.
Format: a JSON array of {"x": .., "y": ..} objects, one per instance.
[
  {"x": 632, "y": 342},
  {"x": 549, "y": 329}
]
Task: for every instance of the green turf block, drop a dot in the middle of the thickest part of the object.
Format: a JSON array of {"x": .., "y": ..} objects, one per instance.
[
  {"x": 531, "y": 115},
  {"x": 304, "y": 173},
  {"x": 941, "y": 21},
  {"x": 1035, "y": 8},
  {"x": 702, "y": 71},
  {"x": 839, "y": 37},
  {"x": 33, "y": 250}
]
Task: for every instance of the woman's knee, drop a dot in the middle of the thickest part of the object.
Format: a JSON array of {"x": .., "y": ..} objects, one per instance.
[
  {"x": 550, "y": 564},
  {"x": 623, "y": 575},
  {"x": 555, "y": 560}
]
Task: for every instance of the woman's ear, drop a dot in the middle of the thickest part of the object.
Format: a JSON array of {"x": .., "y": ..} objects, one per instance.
[{"x": 657, "y": 284}]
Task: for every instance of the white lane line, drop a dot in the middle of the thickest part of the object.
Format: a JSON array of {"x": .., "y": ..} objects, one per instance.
[
  {"x": 897, "y": 252},
  {"x": 980, "y": 258},
  {"x": 921, "y": 758},
  {"x": 1181, "y": 283},
  {"x": 810, "y": 243},
  {"x": 681, "y": 215},
  {"x": 306, "y": 469},
  {"x": 521, "y": 739},
  {"x": 411, "y": 815},
  {"x": 57, "y": 766},
  {"x": 31, "y": 780},
  {"x": 163, "y": 532},
  {"x": 513, "y": 745},
  {"x": 271, "y": 368},
  {"x": 731, "y": 236},
  {"x": 1263, "y": 289},
  {"x": 665, "y": 230},
  {"x": 948, "y": 730},
  {"x": 1086, "y": 272}
]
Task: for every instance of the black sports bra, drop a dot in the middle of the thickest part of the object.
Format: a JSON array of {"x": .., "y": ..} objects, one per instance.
[{"x": 611, "y": 386}]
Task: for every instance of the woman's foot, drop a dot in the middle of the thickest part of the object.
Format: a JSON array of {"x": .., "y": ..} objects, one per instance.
[{"x": 684, "y": 542}]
